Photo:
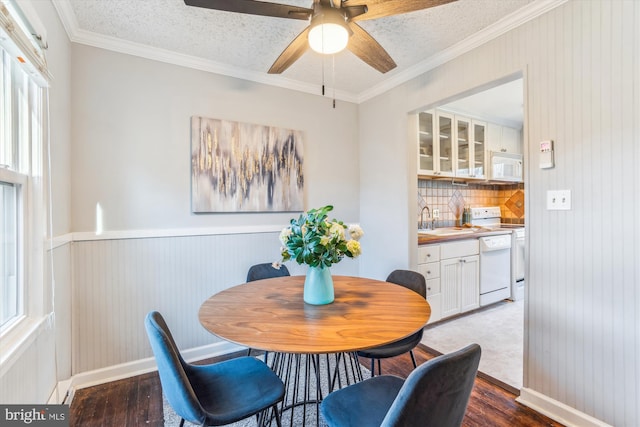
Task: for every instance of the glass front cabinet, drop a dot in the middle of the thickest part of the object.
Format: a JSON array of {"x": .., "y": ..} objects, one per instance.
[
  {"x": 451, "y": 145},
  {"x": 425, "y": 143},
  {"x": 471, "y": 148},
  {"x": 435, "y": 146}
]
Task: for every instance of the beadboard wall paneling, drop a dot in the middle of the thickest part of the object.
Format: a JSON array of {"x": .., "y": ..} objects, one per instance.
[
  {"x": 60, "y": 292},
  {"x": 583, "y": 330},
  {"x": 581, "y": 64},
  {"x": 32, "y": 378},
  {"x": 117, "y": 282},
  {"x": 46, "y": 359}
]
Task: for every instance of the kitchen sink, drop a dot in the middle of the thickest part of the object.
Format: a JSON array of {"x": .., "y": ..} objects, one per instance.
[{"x": 446, "y": 231}]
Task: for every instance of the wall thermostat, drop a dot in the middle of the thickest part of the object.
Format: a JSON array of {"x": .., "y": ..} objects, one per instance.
[{"x": 546, "y": 154}]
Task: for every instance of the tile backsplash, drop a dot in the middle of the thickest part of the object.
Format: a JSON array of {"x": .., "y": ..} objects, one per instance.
[{"x": 450, "y": 199}]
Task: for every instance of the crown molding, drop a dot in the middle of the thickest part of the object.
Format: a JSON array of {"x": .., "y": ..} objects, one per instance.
[
  {"x": 487, "y": 34},
  {"x": 77, "y": 35}
]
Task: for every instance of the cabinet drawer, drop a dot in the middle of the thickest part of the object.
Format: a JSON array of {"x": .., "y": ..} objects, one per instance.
[
  {"x": 428, "y": 253},
  {"x": 430, "y": 270},
  {"x": 459, "y": 249},
  {"x": 433, "y": 287}
]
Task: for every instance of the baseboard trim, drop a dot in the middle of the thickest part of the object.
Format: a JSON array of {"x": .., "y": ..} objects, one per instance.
[
  {"x": 66, "y": 389},
  {"x": 60, "y": 393},
  {"x": 557, "y": 411}
]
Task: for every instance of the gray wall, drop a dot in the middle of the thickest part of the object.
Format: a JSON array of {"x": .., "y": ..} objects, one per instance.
[
  {"x": 581, "y": 64},
  {"x": 131, "y": 141}
]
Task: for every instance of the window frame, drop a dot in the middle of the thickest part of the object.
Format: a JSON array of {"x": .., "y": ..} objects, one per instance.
[
  {"x": 24, "y": 130},
  {"x": 20, "y": 182}
]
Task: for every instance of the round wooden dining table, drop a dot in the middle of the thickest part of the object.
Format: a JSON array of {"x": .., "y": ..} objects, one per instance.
[{"x": 271, "y": 315}]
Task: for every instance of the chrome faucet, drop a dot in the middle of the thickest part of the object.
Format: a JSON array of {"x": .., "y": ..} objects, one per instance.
[{"x": 422, "y": 222}]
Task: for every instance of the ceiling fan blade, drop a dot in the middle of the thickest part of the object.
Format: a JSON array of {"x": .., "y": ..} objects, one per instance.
[
  {"x": 369, "y": 50},
  {"x": 252, "y": 7},
  {"x": 382, "y": 8},
  {"x": 292, "y": 53}
]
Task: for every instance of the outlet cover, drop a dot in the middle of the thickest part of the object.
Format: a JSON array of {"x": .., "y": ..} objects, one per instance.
[{"x": 436, "y": 213}]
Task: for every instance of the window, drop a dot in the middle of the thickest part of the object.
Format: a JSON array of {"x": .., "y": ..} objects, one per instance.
[
  {"x": 10, "y": 303},
  {"x": 20, "y": 188}
]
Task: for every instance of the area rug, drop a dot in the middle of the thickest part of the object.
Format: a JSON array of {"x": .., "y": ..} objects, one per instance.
[{"x": 341, "y": 368}]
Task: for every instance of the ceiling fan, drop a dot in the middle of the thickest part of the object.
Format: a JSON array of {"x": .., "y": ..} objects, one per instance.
[{"x": 326, "y": 17}]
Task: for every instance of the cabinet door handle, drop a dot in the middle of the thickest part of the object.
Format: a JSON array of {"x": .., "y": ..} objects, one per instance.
[
  {"x": 428, "y": 255},
  {"x": 428, "y": 271}
]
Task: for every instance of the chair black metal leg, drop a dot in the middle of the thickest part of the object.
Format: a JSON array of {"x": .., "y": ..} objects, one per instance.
[
  {"x": 277, "y": 415},
  {"x": 181, "y": 422},
  {"x": 379, "y": 367},
  {"x": 373, "y": 368},
  {"x": 413, "y": 359}
]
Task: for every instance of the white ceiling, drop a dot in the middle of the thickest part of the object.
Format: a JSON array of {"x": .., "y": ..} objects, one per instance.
[
  {"x": 245, "y": 46},
  {"x": 502, "y": 104}
]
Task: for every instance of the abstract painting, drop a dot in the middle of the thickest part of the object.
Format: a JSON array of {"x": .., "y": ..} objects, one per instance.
[{"x": 243, "y": 167}]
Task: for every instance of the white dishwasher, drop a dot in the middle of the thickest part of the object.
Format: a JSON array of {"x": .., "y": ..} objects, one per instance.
[{"x": 495, "y": 268}]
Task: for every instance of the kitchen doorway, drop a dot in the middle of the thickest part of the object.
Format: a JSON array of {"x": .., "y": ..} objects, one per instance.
[{"x": 498, "y": 328}]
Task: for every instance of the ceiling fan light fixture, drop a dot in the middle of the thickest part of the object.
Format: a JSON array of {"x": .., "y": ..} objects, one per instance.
[{"x": 329, "y": 33}]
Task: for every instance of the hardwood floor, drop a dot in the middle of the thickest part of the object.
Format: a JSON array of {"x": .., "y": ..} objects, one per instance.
[{"x": 137, "y": 401}]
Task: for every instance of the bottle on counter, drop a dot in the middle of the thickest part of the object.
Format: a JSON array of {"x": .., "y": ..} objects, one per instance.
[{"x": 466, "y": 215}]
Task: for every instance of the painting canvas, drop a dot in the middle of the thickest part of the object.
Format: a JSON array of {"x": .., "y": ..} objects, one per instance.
[{"x": 243, "y": 167}]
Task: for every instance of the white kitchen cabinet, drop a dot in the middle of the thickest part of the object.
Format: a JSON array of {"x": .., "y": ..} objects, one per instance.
[
  {"x": 505, "y": 139},
  {"x": 470, "y": 148},
  {"x": 426, "y": 149},
  {"x": 459, "y": 277},
  {"x": 452, "y": 271},
  {"x": 452, "y": 145},
  {"x": 435, "y": 143}
]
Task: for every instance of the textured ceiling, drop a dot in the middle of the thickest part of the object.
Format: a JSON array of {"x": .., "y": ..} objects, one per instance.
[{"x": 248, "y": 45}]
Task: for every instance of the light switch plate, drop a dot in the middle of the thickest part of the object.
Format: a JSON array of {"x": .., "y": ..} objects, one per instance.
[{"x": 559, "y": 200}]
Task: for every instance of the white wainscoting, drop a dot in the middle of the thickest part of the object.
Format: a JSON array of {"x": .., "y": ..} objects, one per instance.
[{"x": 117, "y": 282}]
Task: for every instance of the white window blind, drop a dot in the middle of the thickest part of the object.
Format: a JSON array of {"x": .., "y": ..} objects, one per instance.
[{"x": 22, "y": 41}]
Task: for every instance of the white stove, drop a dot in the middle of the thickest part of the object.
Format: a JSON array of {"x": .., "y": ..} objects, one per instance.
[{"x": 486, "y": 217}]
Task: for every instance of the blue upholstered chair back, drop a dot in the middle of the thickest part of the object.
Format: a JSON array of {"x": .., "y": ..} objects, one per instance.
[
  {"x": 410, "y": 280},
  {"x": 171, "y": 367},
  {"x": 437, "y": 392},
  {"x": 417, "y": 283},
  {"x": 266, "y": 271}
]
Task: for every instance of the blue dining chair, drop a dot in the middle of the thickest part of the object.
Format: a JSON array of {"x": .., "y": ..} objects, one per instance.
[
  {"x": 436, "y": 394},
  {"x": 417, "y": 283},
  {"x": 266, "y": 271},
  {"x": 215, "y": 394}
]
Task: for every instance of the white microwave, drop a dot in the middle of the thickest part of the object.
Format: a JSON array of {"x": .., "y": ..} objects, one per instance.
[{"x": 506, "y": 166}]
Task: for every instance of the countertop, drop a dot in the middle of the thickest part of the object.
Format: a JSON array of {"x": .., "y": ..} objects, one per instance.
[{"x": 425, "y": 239}]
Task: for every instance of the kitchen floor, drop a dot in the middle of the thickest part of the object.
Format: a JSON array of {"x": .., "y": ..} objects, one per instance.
[{"x": 497, "y": 328}]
